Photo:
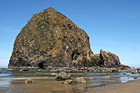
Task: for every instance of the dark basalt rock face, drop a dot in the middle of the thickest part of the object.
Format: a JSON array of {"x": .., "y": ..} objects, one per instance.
[
  {"x": 108, "y": 59},
  {"x": 51, "y": 39},
  {"x": 104, "y": 59}
]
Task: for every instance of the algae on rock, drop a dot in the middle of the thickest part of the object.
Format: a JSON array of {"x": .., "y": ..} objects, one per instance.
[{"x": 51, "y": 39}]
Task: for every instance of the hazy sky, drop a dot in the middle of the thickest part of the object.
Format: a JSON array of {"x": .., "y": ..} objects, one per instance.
[{"x": 112, "y": 25}]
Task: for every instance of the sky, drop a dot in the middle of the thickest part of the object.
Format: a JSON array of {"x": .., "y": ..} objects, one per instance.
[{"x": 112, "y": 25}]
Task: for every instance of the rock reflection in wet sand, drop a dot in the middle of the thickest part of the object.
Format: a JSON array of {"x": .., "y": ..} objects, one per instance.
[{"x": 48, "y": 84}]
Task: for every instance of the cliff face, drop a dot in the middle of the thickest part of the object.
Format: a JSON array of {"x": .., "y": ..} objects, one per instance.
[
  {"x": 104, "y": 59},
  {"x": 51, "y": 39},
  {"x": 108, "y": 59}
]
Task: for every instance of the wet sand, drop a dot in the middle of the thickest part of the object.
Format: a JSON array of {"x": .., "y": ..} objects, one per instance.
[
  {"x": 44, "y": 86},
  {"x": 129, "y": 87},
  {"x": 57, "y": 87},
  {"x": 46, "y": 83}
]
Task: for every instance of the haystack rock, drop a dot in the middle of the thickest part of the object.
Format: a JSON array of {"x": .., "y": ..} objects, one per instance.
[{"x": 51, "y": 39}]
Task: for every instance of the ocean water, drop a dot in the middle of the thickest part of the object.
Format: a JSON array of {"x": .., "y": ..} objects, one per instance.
[
  {"x": 3, "y": 75},
  {"x": 11, "y": 79}
]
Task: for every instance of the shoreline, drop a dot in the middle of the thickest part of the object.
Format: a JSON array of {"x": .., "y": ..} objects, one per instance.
[
  {"x": 128, "y": 87},
  {"x": 74, "y": 69},
  {"x": 44, "y": 81}
]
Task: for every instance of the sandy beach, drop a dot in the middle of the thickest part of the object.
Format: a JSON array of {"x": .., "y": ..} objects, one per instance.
[
  {"x": 46, "y": 83},
  {"x": 129, "y": 87}
]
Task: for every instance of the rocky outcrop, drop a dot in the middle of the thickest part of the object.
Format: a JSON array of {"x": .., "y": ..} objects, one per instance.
[
  {"x": 62, "y": 76},
  {"x": 108, "y": 59},
  {"x": 28, "y": 81},
  {"x": 50, "y": 39},
  {"x": 104, "y": 59}
]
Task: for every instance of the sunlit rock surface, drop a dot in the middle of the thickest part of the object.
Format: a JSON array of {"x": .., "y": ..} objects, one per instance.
[{"x": 50, "y": 39}]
